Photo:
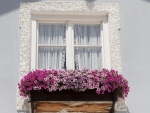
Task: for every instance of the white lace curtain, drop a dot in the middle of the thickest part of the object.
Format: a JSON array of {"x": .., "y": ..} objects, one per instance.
[
  {"x": 51, "y": 57},
  {"x": 89, "y": 57},
  {"x": 54, "y": 57}
]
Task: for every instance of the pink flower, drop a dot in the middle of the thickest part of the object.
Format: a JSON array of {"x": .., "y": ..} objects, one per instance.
[{"x": 77, "y": 80}]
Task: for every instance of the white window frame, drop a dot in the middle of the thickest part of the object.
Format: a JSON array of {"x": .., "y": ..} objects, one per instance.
[{"x": 71, "y": 19}]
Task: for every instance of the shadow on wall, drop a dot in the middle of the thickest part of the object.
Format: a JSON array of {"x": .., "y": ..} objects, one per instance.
[
  {"x": 128, "y": 110},
  {"x": 10, "y": 5},
  {"x": 147, "y": 0},
  {"x": 7, "y": 6},
  {"x": 90, "y": 3}
]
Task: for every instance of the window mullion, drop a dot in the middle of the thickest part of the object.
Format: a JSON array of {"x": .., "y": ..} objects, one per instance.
[{"x": 69, "y": 54}]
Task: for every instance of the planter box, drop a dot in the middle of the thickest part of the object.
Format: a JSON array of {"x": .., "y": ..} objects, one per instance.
[{"x": 69, "y": 95}]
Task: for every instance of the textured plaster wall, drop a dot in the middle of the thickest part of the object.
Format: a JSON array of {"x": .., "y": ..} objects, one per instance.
[{"x": 135, "y": 55}]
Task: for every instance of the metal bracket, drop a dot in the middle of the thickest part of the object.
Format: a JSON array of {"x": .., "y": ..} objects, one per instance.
[
  {"x": 113, "y": 101},
  {"x": 32, "y": 102}
]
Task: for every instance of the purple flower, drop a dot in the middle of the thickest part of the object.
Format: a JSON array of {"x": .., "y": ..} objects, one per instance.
[{"x": 77, "y": 80}]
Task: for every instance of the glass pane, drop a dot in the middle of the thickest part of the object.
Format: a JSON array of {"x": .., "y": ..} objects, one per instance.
[
  {"x": 52, "y": 57},
  {"x": 88, "y": 58},
  {"x": 52, "y": 34},
  {"x": 87, "y": 34}
]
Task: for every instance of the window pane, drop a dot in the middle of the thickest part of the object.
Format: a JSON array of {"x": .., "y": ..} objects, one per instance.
[
  {"x": 88, "y": 57},
  {"x": 87, "y": 34},
  {"x": 51, "y": 57},
  {"x": 52, "y": 34}
]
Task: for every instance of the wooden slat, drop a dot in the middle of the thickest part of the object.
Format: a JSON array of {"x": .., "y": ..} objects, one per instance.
[{"x": 72, "y": 107}]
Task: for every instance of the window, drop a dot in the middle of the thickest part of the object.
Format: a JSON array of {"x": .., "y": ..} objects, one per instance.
[
  {"x": 31, "y": 13},
  {"x": 51, "y": 46},
  {"x": 72, "y": 42}
]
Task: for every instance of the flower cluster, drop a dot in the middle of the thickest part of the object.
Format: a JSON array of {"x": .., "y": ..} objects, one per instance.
[{"x": 78, "y": 80}]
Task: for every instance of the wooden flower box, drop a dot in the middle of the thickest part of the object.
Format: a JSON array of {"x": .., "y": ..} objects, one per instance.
[{"x": 69, "y": 95}]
